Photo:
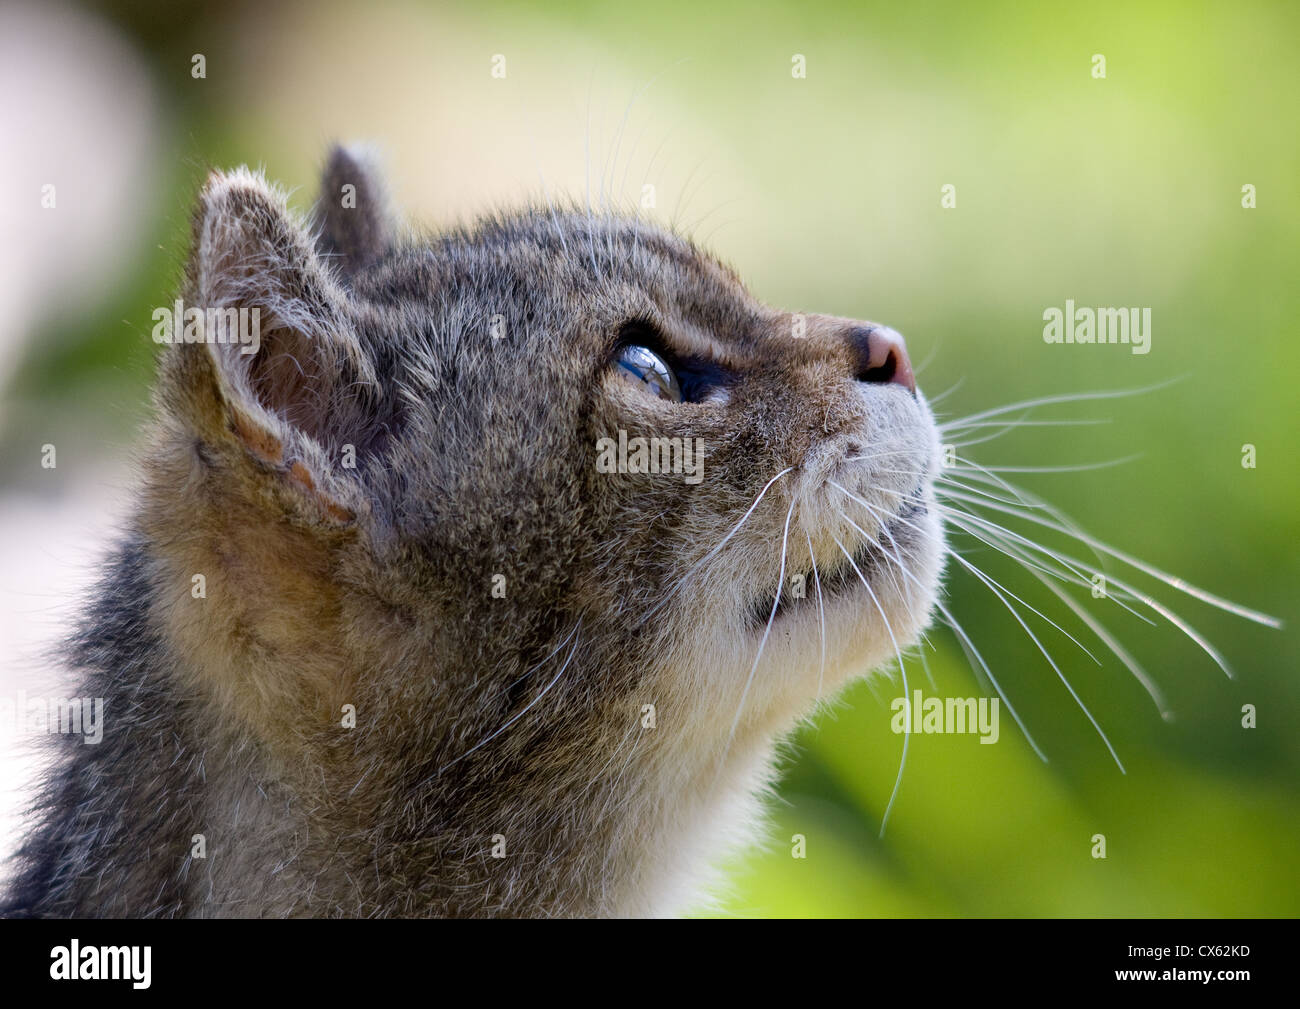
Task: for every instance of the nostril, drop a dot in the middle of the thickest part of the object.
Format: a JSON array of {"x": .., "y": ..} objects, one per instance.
[
  {"x": 881, "y": 357},
  {"x": 881, "y": 373}
]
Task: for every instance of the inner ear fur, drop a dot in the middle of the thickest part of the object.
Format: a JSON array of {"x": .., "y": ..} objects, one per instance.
[{"x": 306, "y": 389}]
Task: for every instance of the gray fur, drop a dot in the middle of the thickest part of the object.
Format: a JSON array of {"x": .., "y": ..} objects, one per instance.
[{"x": 371, "y": 586}]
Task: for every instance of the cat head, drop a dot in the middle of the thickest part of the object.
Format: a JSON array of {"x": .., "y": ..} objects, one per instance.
[{"x": 550, "y": 484}]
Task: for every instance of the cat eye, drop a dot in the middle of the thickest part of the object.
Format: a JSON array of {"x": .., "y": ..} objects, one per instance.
[{"x": 645, "y": 368}]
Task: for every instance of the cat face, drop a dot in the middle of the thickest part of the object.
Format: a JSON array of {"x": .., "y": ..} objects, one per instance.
[
  {"x": 572, "y": 344},
  {"x": 561, "y": 452}
]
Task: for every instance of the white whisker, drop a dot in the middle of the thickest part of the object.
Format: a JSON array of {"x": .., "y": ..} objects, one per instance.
[
  {"x": 1076, "y": 468},
  {"x": 948, "y": 391},
  {"x": 1163, "y": 610},
  {"x": 776, "y": 603},
  {"x": 1154, "y": 572},
  {"x": 1075, "y": 397},
  {"x": 929, "y": 357},
  {"x": 1111, "y": 642},
  {"x": 907, "y": 731},
  {"x": 999, "y": 534},
  {"x": 975, "y": 658},
  {"x": 877, "y": 515},
  {"x": 1029, "y": 499},
  {"x": 1022, "y": 557},
  {"x": 1050, "y": 661},
  {"x": 712, "y": 553},
  {"x": 545, "y": 690},
  {"x": 821, "y": 613},
  {"x": 968, "y": 646},
  {"x": 1086, "y": 422},
  {"x": 950, "y": 482}
]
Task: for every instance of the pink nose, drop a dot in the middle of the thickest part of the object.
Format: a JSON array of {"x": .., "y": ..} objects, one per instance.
[{"x": 881, "y": 356}]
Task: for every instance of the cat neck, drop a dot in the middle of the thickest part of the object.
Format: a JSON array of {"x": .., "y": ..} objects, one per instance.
[{"x": 183, "y": 810}]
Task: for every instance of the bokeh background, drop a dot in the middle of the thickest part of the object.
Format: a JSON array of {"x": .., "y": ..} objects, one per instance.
[{"x": 824, "y": 192}]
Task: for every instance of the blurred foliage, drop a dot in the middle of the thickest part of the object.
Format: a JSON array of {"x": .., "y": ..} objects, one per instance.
[{"x": 1123, "y": 191}]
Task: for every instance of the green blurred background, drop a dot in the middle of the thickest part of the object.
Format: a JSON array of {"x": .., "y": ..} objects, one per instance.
[{"x": 824, "y": 192}]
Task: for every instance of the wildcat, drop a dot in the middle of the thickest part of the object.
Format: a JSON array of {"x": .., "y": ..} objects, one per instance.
[{"x": 383, "y": 639}]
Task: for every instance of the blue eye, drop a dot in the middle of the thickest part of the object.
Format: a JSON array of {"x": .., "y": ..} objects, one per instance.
[{"x": 643, "y": 367}]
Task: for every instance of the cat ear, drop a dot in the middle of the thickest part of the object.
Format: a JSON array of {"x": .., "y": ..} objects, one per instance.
[
  {"x": 357, "y": 226},
  {"x": 280, "y": 382}
]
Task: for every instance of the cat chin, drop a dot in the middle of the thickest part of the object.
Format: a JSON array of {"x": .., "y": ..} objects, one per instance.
[
  {"x": 763, "y": 680},
  {"x": 866, "y": 629}
]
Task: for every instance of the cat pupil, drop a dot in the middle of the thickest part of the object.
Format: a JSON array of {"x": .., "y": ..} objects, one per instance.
[{"x": 650, "y": 371}]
